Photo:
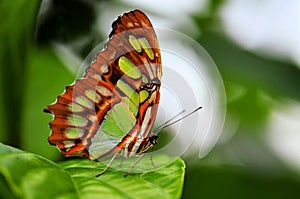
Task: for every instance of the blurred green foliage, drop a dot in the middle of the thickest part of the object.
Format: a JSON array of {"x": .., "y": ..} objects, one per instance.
[
  {"x": 16, "y": 39},
  {"x": 31, "y": 76}
]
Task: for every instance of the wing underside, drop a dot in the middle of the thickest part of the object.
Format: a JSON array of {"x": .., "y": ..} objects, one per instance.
[{"x": 98, "y": 113}]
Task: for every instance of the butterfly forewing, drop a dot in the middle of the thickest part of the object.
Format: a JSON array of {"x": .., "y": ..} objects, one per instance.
[{"x": 113, "y": 107}]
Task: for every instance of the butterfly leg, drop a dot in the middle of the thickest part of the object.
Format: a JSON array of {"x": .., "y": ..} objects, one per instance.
[
  {"x": 151, "y": 158},
  {"x": 108, "y": 165},
  {"x": 136, "y": 162}
]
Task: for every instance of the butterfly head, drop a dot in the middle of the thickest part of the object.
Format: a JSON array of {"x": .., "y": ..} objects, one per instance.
[
  {"x": 149, "y": 143},
  {"x": 153, "y": 139}
]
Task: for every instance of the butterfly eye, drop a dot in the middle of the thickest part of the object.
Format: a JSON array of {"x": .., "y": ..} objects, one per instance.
[{"x": 153, "y": 139}]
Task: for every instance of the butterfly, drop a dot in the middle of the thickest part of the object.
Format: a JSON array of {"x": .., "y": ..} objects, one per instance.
[{"x": 111, "y": 110}]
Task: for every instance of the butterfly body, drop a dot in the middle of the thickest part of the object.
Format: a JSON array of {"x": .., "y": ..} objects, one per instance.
[{"x": 112, "y": 109}]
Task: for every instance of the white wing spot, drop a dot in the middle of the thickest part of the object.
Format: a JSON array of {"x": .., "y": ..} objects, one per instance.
[
  {"x": 104, "y": 69},
  {"x": 144, "y": 24},
  {"x": 113, "y": 55},
  {"x": 93, "y": 118},
  {"x": 130, "y": 25},
  {"x": 103, "y": 91},
  {"x": 68, "y": 143},
  {"x": 94, "y": 60},
  {"x": 97, "y": 76}
]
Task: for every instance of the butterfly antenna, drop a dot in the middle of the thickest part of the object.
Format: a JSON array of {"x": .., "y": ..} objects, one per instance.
[{"x": 167, "y": 123}]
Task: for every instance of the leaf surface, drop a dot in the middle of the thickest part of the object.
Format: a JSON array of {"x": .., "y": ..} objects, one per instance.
[{"x": 26, "y": 175}]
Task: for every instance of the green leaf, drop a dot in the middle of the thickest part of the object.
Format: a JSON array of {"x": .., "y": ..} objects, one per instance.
[
  {"x": 26, "y": 175},
  {"x": 30, "y": 176}
]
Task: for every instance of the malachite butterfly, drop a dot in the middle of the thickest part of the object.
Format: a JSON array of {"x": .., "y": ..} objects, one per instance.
[{"x": 111, "y": 110}]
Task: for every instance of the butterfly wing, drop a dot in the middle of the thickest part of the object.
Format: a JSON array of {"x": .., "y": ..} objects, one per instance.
[{"x": 113, "y": 107}]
